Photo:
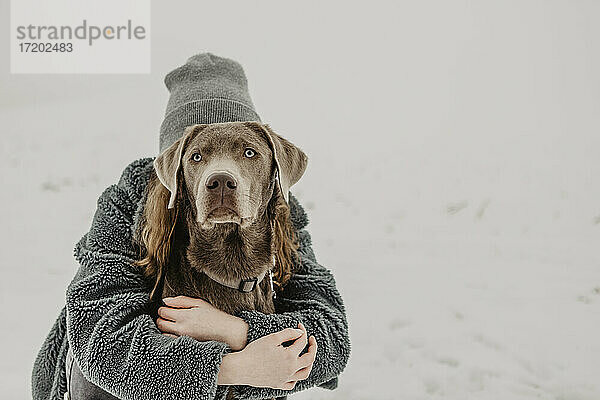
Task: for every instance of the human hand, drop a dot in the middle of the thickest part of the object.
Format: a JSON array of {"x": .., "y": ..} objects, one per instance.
[
  {"x": 265, "y": 362},
  {"x": 199, "y": 319}
]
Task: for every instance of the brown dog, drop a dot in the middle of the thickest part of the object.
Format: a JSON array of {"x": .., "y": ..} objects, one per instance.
[{"x": 216, "y": 222}]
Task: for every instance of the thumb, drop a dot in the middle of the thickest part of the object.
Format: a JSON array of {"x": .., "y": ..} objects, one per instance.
[
  {"x": 182, "y": 302},
  {"x": 288, "y": 334}
]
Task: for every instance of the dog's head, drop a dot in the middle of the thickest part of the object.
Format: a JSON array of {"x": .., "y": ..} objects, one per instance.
[{"x": 230, "y": 170}]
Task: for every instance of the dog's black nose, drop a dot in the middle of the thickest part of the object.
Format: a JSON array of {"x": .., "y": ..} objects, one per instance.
[{"x": 221, "y": 181}]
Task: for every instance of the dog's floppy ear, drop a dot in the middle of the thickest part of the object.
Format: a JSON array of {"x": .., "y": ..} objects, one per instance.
[
  {"x": 167, "y": 163},
  {"x": 290, "y": 161}
]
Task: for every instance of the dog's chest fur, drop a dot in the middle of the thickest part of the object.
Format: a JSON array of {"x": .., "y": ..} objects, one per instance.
[
  {"x": 189, "y": 282},
  {"x": 229, "y": 252}
]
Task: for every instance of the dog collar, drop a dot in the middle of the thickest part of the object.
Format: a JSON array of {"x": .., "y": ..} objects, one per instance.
[{"x": 244, "y": 285}]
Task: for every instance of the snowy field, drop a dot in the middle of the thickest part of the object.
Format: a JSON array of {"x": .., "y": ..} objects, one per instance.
[{"x": 452, "y": 185}]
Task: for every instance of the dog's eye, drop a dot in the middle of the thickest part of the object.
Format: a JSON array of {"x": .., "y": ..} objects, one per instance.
[
  {"x": 249, "y": 153},
  {"x": 197, "y": 157}
]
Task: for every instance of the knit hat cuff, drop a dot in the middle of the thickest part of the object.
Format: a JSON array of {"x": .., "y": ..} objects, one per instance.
[{"x": 205, "y": 111}]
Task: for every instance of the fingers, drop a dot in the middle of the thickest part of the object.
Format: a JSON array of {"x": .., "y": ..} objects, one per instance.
[
  {"x": 289, "y": 385},
  {"x": 171, "y": 335},
  {"x": 287, "y": 334},
  {"x": 301, "y": 374},
  {"x": 166, "y": 326},
  {"x": 307, "y": 360},
  {"x": 183, "y": 302},
  {"x": 172, "y": 314},
  {"x": 301, "y": 342}
]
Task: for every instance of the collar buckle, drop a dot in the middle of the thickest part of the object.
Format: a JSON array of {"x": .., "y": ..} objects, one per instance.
[{"x": 248, "y": 285}]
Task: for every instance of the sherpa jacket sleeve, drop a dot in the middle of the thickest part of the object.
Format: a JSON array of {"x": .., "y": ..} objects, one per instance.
[
  {"x": 310, "y": 297},
  {"x": 111, "y": 332}
]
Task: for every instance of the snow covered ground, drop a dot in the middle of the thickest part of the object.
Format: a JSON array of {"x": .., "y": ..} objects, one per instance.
[{"x": 452, "y": 185}]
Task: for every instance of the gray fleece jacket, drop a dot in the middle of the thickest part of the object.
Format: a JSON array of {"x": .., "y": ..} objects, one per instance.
[{"x": 117, "y": 344}]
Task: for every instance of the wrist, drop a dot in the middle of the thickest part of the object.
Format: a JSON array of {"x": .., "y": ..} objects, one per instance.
[
  {"x": 231, "y": 366},
  {"x": 237, "y": 333}
]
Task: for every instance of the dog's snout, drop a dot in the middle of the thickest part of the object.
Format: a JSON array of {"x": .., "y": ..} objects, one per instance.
[{"x": 221, "y": 181}]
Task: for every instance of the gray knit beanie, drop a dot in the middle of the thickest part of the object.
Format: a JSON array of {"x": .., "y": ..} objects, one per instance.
[{"x": 206, "y": 89}]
